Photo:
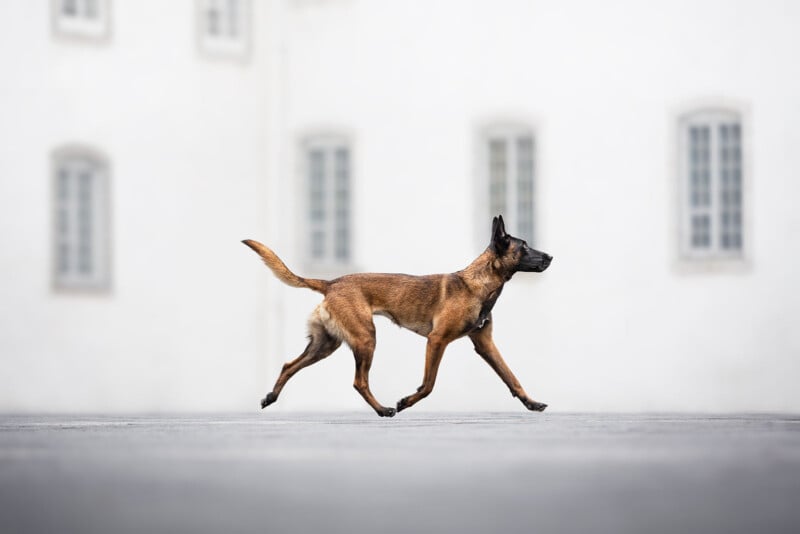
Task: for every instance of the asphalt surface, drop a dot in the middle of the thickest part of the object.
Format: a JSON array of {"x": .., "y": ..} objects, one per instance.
[{"x": 333, "y": 472}]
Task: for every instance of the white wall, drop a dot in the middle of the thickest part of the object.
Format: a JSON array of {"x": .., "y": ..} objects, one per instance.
[
  {"x": 186, "y": 139},
  {"x": 615, "y": 323}
]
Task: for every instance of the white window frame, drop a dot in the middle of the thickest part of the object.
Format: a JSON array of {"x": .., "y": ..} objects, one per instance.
[
  {"x": 231, "y": 14},
  {"x": 90, "y": 19},
  {"x": 92, "y": 272},
  {"x": 330, "y": 261},
  {"x": 711, "y": 117},
  {"x": 509, "y": 133}
]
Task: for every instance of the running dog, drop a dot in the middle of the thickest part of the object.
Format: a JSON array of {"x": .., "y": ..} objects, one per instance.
[{"x": 440, "y": 307}]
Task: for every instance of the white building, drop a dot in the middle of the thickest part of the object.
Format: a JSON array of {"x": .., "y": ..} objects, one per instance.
[{"x": 649, "y": 147}]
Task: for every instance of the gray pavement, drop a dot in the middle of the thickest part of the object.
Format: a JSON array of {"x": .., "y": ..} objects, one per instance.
[{"x": 353, "y": 472}]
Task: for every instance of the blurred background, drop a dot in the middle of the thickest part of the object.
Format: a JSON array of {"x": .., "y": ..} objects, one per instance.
[{"x": 650, "y": 147}]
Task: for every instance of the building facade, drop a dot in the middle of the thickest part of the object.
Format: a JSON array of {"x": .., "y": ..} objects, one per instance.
[{"x": 648, "y": 148}]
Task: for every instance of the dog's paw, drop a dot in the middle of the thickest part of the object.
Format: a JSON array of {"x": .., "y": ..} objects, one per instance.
[
  {"x": 387, "y": 412},
  {"x": 535, "y": 406},
  {"x": 269, "y": 399},
  {"x": 402, "y": 404}
]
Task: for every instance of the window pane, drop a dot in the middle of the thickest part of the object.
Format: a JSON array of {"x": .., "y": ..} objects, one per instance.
[
  {"x": 525, "y": 187},
  {"x": 317, "y": 244},
  {"x": 730, "y": 192},
  {"x": 317, "y": 195},
  {"x": 63, "y": 220},
  {"x": 342, "y": 203},
  {"x": 90, "y": 8},
  {"x": 317, "y": 185},
  {"x": 714, "y": 189},
  {"x": 233, "y": 18},
  {"x": 63, "y": 258},
  {"x": 224, "y": 21},
  {"x": 330, "y": 199},
  {"x": 80, "y": 224},
  {"x": 699, "y": 166},
  {"x": 699, "y": 186},
  {"x": 85, "y": 222},
  {"x": 498, "y": 174},
  {"x": 212, "y": 19},
  {"x": 68, "y": 7},
  {"x": 701, "y": 236},
  {"x": 63, "y": 184}
]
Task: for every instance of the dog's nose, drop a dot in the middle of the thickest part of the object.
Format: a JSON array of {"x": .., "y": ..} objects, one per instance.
[{"x": 548, "y": 258}]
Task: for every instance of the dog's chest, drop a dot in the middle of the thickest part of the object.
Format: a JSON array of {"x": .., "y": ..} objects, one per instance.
[{"x": 485, "y": 310}]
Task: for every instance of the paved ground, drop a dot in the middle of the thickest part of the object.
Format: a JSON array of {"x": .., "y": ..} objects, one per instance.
[{"x": 510, "y": 472}]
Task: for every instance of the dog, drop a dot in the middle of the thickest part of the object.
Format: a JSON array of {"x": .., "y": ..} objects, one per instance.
[{"x": 440, "y": 307}]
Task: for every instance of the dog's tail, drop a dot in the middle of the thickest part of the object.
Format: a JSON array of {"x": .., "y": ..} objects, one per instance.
[{"x": 282, "y": 271}]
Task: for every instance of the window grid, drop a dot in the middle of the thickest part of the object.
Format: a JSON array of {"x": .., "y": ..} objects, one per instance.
[
  {"x": 222, "y": 18},
  {"x": 329, "y": 202},
  {"x": 714, "y": 213},
  {"x": 497, "y": 176},
  {"x": 525, "y": 187},
  {"x": 223, "y": 26},
  {"x": 700, "y": 187},
  {"x": 317, "y": 203},
  {"x": 79, "y": 8},
  {"x": 511, "y": 179},
  {"x": 84, "y": 18},
  {"x": 731, "y": 186},
  {"x": 80, "y": 223},
  {"x": 342, "y": 203},
  {"x": 85, "y": 223}
]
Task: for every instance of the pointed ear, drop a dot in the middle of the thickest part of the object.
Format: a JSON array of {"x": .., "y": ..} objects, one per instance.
[{"x": 499, "y": 237}]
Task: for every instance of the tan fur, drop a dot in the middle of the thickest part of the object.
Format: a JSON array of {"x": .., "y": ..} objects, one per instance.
[
  {"x": 440, "y": 307},
  {"x": 280, "y": 270}
]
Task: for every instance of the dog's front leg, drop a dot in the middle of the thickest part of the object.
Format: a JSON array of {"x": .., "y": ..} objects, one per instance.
[
  {"x": 485, "y": 347},
  {"x": 433, "y": 356}
]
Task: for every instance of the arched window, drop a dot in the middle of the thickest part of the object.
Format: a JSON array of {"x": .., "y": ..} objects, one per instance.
[
  {"x": 81, "y": 220},
  {"x": 712, "y": 184}
]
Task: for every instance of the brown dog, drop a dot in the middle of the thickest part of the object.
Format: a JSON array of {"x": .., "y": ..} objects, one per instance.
[{"x": 441, "y": 307}]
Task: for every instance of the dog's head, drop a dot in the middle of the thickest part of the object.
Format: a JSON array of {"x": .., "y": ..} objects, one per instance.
[{"x": 514, "y": 254}]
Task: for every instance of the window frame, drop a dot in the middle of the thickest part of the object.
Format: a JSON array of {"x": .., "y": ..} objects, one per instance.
[
  {"x": 511, "y": 132},
  {"x": 82, "y": 28},
  {"x": 712, "y": 115},
  {"x": 99, "y": 281},
  {"x": 215, "y": 47},
  {"x": 329, "y": 142}
]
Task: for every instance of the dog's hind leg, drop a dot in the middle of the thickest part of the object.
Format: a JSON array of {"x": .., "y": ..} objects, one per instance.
[
  {"x": 321, "y": 344},
  {"x": 358, "y": 330},
  {"x": 485, "y": 347},
  {"x": 363, "y": 351}
]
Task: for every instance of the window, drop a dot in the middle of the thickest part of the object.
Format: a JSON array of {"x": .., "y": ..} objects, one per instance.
[
  {"x": 224, "y": 27},
  {"x": 711, "y": 192},
  {"x": 81, "y": 221},
  {"x": 507, "y": 178},
  {"x": 328, "y": 177},
  {"x": 81, "y": 18}
]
